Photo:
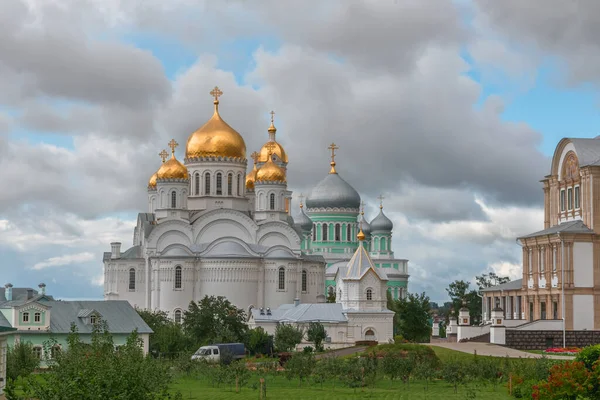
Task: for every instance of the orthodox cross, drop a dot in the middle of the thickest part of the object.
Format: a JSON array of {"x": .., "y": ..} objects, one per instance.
[
  {"x": 255, "y": 156},
  {"x": 380, "y": 197},
  {"x": 362, "y": 208},
  {"x": 172, "y": 145},
  {"x": 270, "y": 146},
  {"x": 301, "y": 197},
  {"x": 272, "y": 116},
  {"x": 163, "y": 154},
  {"x": 333, "y": 148},
  {"x": 216, "y": 93}
]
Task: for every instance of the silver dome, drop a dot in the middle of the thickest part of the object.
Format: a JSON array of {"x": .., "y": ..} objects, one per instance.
[
  {"x": 333, "y": 192},
  {"x": 381, "y": 223},
  {"x": 303, "y": 221},
  {"x": 366, "y": 227}
]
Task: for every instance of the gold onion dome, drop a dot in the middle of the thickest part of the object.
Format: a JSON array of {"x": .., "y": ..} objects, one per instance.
[
  {"x": 215, "y": 138},
  {"x": 152, "y": 181},
  {"x": 360, "y": 236},
  {"x": 270, "y": 172},
  {"x": 251, "y": 177},
  {"x": 172, "y": 169},
  {"x": 277, "y": 148}
]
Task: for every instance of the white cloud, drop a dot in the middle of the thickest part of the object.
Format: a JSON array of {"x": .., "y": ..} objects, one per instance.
[
  {"x": 512, "y": 270},
  {"x": 67, "y": 259}
]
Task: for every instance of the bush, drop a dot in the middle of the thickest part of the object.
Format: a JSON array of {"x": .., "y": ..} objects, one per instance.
[
  {"x": 566, "y": 381},
  {"x": 589, "y": 355},
  {"x": 369, "y": 343},
  {"x": 307, "y": 349},
  {"x": 419, "y": 352},
  {"x": 20, "y": 360},
  {"x": 399, "y": 339}
]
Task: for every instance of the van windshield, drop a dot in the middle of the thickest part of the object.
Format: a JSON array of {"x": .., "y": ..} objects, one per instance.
[{"x": 203, "y": 352}]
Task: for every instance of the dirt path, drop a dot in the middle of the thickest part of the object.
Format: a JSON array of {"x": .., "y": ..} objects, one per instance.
[
  {"x": 494, "y": 350},
  {"x": 341, "y": 352}
]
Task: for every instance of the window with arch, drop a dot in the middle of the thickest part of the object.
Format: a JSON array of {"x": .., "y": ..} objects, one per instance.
[
  {"x": 369, "y": 334},
  {"x": 338, "y": 232},
  {"x": 37, "y": 352},
  {"x": 272, "y": 201},
  {"x": 304, "y": 281},
  {"x": 177, "y": 277},
  {"x": 281, "y": 276},
  {"x": 37, "y": 317},
  {"x": 229, "y": 184},
  {"x": 348, "y": 233},
  {"x": 314, "y": 232},
  {"x": 178, "y": 316},
  {"x": 197, "y": 184},
  {"x": 132, "y": 279},
  {"x": 207, "y": 184},
  {"x": 239, "y": 186},
  {"x": 219, "y": 184},
  {"x": 324, "y": 227},
  {"x": 383, "y": 244},
  {"x": 25, "y": 317},
  {"x": 369, "y": 294},
  {"x": 173, "y": 199},
  {"x": 55, "y": 351}
]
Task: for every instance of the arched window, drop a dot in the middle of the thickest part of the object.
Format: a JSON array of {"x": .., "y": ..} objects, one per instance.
[
  {"x": 369, "y": 294},
  {"x": 383, "y": 242},
  {"x": 219, "y": 184},
  {"x": 55, "y": 351},
  {"x": 281, "y": 285},
  {"x": 314, "y": 232},
  {"x": 239, "y": 187},
  {"x": 197, "y": 184},
  {"x": 132, "y": 279},
  {"x": 376, "y": 244},
  {"x": 337, "y": 232},
  {"x": 177, "y": 316},
  {"x": 178, "y": 277},
  {"x": 272, "y": 201},
  {"x": 348, "y": 233},
  {"x": 229, "y": 184},
  {"x": 304, "y": 281},
  {"x": 207, "y": 184},
  {"x": 369, "y": 334},
  {"x": 37, "y": 317},
  {"x": 173, "y": 199},
  {"x": 25, "y": 317},
  {"x": 324, "y": 238}
]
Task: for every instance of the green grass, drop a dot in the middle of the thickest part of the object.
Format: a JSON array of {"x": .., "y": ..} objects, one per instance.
[{"x": 278, "y": 387}]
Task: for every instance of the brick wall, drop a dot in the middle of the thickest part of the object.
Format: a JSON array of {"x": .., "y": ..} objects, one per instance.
[{"x": 541, "y": 340}]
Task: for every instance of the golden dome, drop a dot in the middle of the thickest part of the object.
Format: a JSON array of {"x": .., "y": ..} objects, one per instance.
[
  {"x": 215, "y": 138},
  {"x": 276, "y": 149},
  {"x": 270, "y": 172},
  {"x": 251, "y": 177},
  {"x": 172, "y": 169},
  {"x": 361, "y": 235},
  {"x": 152, "y": 181}
]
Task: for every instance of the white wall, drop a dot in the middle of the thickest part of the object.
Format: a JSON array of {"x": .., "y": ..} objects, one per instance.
[
  {"x": 467, "y": 332},
  {"x": 541, "y": 325},
  {"x": 583, "y": 312},
  {"x": 583, "y": 270}
]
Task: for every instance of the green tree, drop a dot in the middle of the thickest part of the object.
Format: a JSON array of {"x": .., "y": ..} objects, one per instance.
[
  {"x": 316, "y": 333},
  {"x": 21, "y": 360},
  {"x": 259, "y": 341},
  {"x": 168, "y": 338},
  {"x": 214, "y": 320},
  {"x": 412, "y": 317},
  {"x": 490, "y": 279},
  {"x": 287, "y": 337},
  {"x": 459, "y": 292},
  {"x": 98, "y": 370},
  {"x": 331, "y": 297},
  {"x": 301, "y": 366}
]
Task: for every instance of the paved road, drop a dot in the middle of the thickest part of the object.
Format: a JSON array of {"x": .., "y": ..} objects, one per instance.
[{"x": 488, "y": 349}]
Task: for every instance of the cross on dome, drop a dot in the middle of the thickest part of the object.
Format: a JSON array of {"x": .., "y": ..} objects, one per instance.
[
  {"x": 362, "y": 208},
  {"x": 270, "y": 146},
  {"x": 172, "y": 145},
  {"x": 216, "y": 93},
  {"x": 301, "y": 197},
  {"x": 163, "y": 154},
  {"x": 255, "y": 156},
  {"x": 333, "y": 147},
  {"x": 272, "y": 116},
  {"x": 380, "y": 197}
]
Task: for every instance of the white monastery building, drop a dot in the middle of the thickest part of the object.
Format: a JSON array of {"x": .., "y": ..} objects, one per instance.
[{"x": 212, "y": 228}]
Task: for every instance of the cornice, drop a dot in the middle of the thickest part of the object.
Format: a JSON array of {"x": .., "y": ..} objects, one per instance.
[{"x": 233, "y": 160}]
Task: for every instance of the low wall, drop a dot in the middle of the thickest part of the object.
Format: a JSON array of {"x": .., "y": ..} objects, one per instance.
[
  {"x": 542, "y": 325},
  {"x": 468, "y": 332},
  {"x": 541, "y": 340}
]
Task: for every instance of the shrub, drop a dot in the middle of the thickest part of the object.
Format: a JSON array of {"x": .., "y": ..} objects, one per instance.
[
  {"x": 566, "y": 381},
  {"x": 369, "y": 343},
  {"x": 419, "y": 352},
  {"x": 20, "y": 360},
  {"x": 307, "y": 349},
  {"x": 589, "y": 355}
]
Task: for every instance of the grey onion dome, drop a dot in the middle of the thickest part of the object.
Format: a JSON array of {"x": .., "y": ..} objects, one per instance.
[
  {"x": 303, "y": 221},
  {"x": 381, "y": 223},
  {"x": 366, "y": 227},
  {"x": 333, "y": 192}
]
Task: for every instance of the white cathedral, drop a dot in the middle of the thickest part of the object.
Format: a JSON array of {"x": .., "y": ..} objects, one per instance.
[{"x": 213, "y": 229}]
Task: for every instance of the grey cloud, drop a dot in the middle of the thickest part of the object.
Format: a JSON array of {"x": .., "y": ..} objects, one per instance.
[{"x": 567, "y": 29}]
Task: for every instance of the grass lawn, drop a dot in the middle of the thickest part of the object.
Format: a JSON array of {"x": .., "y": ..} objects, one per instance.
[{"x": 278, "y": 387}]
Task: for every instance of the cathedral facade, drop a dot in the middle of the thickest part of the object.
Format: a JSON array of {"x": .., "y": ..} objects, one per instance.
[{"x": 214, "y": 229}]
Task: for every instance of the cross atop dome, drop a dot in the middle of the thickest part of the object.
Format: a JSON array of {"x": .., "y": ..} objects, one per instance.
[
  {"x": 255, "y": 156},
  {"x": 163, "y": 154},
  {"x": 272, "y": 128},
  {"x": 301, "y": 197},
  {"x": 380, "y": 197},
  {"x": 333, "y": 147},
  {"x": 216, "y": 93},
  {"x": 270, "y": 146},
  {"x": 172, "y": 145}
]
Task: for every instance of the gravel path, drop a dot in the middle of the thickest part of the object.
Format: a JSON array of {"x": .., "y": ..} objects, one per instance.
[{"x": 494, "y": 350}]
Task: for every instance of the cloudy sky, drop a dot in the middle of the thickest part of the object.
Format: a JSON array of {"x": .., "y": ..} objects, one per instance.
[{"x": 450, "y": 109}]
